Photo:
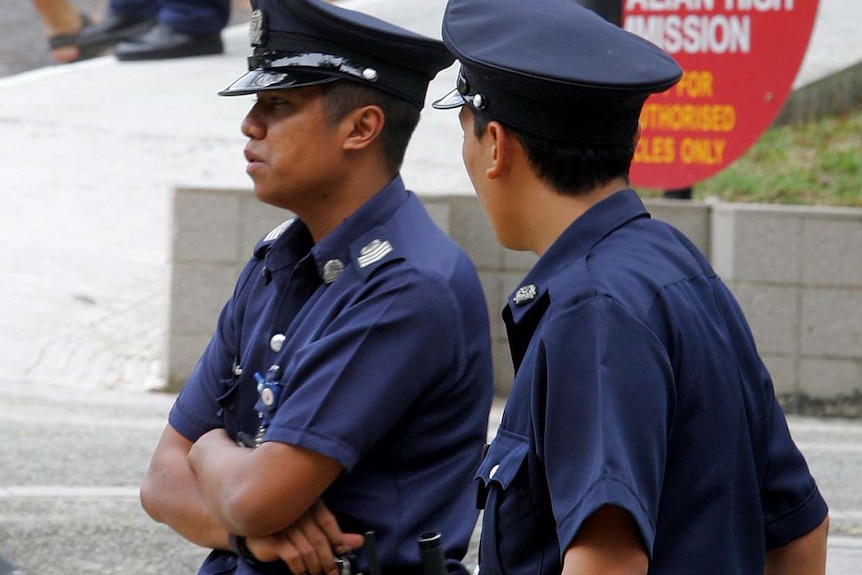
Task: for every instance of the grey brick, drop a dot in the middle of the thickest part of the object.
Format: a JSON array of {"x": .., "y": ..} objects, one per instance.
[
  {"x": 198, "y": 292},
  {"x": 472, "y": 231},
  {"x": 772, "y": 313},
  {"x": 757, "y": 243},
  {"x": 440, "y": 211},
  {"x": 782, "y": 369},
  {"x": 504, "y": 373},
  {"x": 832, "y": 249},
  {"x": 205, "y": 226},
  {"x": 830, "y": 378},
  {"x": 183, "y": 352},
  {"x": 492, "y": 285},
  {"x": 832, "y": 323}
]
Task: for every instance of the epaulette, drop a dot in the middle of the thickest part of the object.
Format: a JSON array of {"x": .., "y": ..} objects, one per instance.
[
  {"x": 372, "y": 250},
  {"x": 263, "y": 244}
]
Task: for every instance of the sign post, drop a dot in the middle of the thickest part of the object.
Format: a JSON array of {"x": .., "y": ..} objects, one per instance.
[{"x": 740, "y": 58}]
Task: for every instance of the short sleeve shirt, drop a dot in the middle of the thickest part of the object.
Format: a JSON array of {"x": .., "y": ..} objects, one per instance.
[
  {"x": 378, "y": 337},
  {"x": 638, "y": 385}
]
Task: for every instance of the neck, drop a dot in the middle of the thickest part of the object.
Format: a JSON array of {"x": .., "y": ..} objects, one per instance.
[
  {"x": 550, "y": 213},
  {"x": 327, "y": 210}
]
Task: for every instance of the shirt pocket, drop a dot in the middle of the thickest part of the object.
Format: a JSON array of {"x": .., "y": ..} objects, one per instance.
[{"x": 503, "y": 473}]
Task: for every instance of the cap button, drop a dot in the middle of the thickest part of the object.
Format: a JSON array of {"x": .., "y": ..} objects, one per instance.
[
  {"x": 479, "y": 102},
  {"x": 370, "y": 74}
]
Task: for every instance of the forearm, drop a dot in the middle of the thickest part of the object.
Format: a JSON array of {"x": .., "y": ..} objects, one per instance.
[
  {"x": 170, "y": 495},
  {"x": 257, "y": 492},
  {"x": 803, "y": 556},
  {"x": 608, "y": 543},
  {"x": 220, "y": 466}
]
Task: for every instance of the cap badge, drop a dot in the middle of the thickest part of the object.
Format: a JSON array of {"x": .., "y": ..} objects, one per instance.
[
  {"x": 525, "y": 294},
  {"x": 268, "y": 79},
  {"x": 373, "y": 252},
  {"x": 331, "y": 270},
  {"x": 257, "y": 28}
]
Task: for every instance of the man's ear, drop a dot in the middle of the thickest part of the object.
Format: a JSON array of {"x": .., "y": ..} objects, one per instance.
[
  {"x": 363, "y": 126},
  {"x": 500, "y": 142}
]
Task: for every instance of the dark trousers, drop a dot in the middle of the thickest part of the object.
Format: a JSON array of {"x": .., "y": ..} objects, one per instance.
[{"x": 184, "y": 16}]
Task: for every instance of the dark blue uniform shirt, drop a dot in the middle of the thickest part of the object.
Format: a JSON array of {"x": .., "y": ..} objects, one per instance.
[
  {"x": 386, "y": 369},
  {"x": 638, "y": 385}
]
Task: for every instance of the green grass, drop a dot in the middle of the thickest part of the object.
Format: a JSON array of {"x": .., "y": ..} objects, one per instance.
[{"x": 815, "y": 163}]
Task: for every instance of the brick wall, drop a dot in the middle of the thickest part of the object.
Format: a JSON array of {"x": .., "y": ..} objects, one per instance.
[{"x": 797, "y": 272}]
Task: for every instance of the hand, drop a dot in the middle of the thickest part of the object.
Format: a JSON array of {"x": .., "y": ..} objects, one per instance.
[{"x": 307, "y": 545}]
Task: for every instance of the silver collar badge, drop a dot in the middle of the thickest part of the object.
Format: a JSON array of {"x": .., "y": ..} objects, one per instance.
[
  {"x": 331, "y": 270},
  {"x": 525, "y": 294}
]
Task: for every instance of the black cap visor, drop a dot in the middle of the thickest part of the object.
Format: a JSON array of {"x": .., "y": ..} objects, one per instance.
[{"x": 259, "y": 80}]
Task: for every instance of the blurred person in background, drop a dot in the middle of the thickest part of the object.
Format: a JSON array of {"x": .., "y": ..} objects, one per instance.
[
  {"x": 62, "y": 23},
  {"x": 141, "y": 29}
]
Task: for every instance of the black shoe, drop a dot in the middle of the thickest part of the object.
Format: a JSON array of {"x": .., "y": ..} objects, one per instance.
[
  {"x": 161, "y": 43},
  {"x": 112, "y": 29},
  {"x": 7, "y": 568}
]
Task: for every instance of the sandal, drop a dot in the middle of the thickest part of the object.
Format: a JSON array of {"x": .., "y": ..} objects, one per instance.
[{"x": 71, "y": 40}]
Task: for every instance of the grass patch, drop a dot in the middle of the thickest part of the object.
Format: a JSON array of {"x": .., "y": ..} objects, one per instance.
[{"x": 816, "y": 163}]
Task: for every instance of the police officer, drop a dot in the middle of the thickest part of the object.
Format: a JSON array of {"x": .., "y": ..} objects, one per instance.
[
  {"x": 158, "y": 29},
  {"x": 642, "y": 432},
  {"x": 354, "y": 354}
]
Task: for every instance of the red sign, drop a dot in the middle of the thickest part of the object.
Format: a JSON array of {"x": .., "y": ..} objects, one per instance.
[{"x": 740, "y": 58}]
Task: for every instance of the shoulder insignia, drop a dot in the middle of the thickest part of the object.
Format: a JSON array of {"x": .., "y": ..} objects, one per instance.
[
  {"x": 266, "y": 241},
  {"x": 372, "y": 250}
]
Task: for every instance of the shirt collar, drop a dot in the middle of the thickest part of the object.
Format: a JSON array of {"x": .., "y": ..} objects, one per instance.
[
  {"x": 575, "y": 242},
  {"x": 332, "y": 254},
  {"x": 376, "y": 211}
]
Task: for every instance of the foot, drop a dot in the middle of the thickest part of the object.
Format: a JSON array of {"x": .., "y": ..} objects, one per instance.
[
  {"x": 112, "y": 29},
  {"x": 64, "y": 46},
  {"x": 161, "y": 43}
]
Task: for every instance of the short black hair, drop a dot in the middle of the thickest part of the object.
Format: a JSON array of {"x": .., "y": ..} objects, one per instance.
[
  {"x": 569, "y": 169},
  {"x": 343, "y": 96}
]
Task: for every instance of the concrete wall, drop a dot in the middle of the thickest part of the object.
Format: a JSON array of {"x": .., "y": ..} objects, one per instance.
[{"x": 796, "y": 271}]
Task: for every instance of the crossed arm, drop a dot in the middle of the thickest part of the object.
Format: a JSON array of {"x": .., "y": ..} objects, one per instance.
[{"x": 207, "y": 489}]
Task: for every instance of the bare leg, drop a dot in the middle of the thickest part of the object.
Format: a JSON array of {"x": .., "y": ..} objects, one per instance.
[{"x": 60, "y": 18}]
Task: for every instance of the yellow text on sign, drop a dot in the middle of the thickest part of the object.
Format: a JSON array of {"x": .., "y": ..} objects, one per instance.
[
  {"x": 655, "y": 150},
  {"x": 704, "y": 151},
  {"x": 695, "y": 84},
  {"x": 689, "y": 151}
]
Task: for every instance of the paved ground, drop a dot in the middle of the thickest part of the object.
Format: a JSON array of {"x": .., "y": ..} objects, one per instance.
[
  {"x": 72, "y": 461},
  {"x": 88, "y": 156}
]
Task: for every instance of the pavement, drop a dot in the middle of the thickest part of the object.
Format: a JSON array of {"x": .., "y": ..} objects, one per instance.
[{"x": 89, "y": 154}]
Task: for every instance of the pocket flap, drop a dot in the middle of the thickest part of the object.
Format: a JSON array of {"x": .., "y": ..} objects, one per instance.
[{"x": 503, "y": 459}]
